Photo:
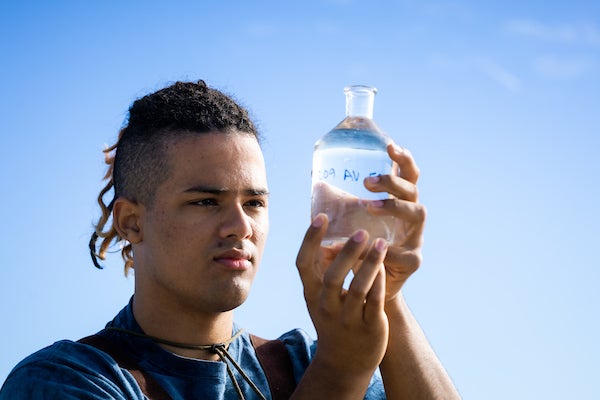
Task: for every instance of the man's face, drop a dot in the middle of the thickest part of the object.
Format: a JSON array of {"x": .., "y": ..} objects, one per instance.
[{"x": 203, "y": 236}]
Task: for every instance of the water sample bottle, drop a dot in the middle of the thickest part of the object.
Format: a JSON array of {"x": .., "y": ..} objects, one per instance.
[{"x": 352, "y": 151}]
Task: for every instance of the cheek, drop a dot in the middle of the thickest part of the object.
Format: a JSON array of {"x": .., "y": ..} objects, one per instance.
[
  {"x": 261, "y": 230},
  {"x": 261, "y": 226},
  {"x": 168, "y": 237}
]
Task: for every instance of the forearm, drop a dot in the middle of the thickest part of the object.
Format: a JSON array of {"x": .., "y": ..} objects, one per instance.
[
  {"x": 322, "y": 381},
  {"x": 410, "y": 368}
]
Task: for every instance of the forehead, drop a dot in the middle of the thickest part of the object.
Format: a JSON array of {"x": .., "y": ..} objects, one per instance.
[{"x": 216, "y": 158}]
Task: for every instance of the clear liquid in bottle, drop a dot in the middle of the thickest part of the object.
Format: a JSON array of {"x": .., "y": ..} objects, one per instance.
[{"x": 355, "y": 149}]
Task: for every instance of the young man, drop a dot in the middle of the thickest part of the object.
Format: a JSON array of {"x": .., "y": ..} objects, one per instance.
[{"x": 190, "y": 207}]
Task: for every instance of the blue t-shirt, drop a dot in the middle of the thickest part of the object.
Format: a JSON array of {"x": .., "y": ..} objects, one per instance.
[{"x": 71, "y": 370}]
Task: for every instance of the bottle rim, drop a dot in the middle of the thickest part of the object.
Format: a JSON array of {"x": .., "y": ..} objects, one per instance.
[{"x": 360, "y": 88}]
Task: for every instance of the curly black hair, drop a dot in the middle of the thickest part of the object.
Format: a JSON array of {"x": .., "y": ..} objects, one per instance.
[{"x": 137, "y": 163}]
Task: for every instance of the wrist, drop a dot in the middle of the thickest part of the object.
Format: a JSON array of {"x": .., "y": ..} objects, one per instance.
[
  {"x": 350, "y": 370},
  {"x": 331, "y": 380},
  {"x": 395, "y": 303},
  {"x": 399, "y": 317}
]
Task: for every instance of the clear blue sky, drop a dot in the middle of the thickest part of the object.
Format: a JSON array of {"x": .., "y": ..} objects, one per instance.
[{"x": 498, "y": 101}]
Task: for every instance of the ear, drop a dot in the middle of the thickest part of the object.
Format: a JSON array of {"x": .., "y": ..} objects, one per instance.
[{"x": 127, "y": 217}]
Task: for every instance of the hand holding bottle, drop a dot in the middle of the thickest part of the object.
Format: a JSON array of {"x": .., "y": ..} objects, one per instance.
[
  {"x": 403, "y": 256},
  {"x": 404, "y": 253},
  {"x": 351, "y": 324}
]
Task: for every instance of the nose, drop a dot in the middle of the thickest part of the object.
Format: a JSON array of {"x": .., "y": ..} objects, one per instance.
[{"x": 236, "y": 223}]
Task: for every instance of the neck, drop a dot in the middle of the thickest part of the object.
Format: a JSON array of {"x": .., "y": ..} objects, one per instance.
[{"x": 176, "y": 323}]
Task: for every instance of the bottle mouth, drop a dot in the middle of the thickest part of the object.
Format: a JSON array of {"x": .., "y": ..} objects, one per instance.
[{"x": 360, "y": 89}]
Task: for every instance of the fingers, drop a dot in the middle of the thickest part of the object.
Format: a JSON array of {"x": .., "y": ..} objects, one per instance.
[
  {"x": 402, "y": 185},
  {"x": 376, "y": 297},
  {"x": 410, "y": 260},
  {"x": 396, "y": 186},
  {"x": 327, "y": 289},
  {"x": 405, "y": 210},
  {"x": 404, "y": 254},
  {"x": 333, "y": 280},
  {"x": 324, "y": 285},
  {"x": 403, "y": 203},
  {"x": 410, "y": 221},
  {"x": 308, "y": 254},
  {"x": 405, "y": 161},
  {"x": 364, "y": 299},
  {"x": 366, "y": 293}
]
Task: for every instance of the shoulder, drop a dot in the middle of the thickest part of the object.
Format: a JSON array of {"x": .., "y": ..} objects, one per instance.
[
  {"x": 69, "y": 370},
  {"x": 301, "y": 348},
  {"x": 299, "y": 342}
]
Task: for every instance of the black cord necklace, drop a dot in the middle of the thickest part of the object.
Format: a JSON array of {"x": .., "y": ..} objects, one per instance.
[
  {"x": 218, "y": 348},
  {"x": 187, "y": 346}
]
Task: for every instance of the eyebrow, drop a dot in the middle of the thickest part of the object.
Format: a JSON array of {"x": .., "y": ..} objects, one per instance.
[{"x": 221, "y": 190}]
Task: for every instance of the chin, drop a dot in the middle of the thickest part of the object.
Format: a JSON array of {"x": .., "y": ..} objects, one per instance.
[{"x": 234, "y": 298}]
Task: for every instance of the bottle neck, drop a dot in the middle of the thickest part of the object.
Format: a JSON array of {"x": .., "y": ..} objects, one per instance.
[{"x": 359, "y": 101}]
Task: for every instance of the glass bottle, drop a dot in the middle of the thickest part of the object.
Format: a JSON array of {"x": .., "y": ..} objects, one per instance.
[{"x": 352, "y": 151}]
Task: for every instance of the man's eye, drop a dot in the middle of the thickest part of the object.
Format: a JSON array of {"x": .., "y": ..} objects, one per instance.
[
  {"x": 255, "y": 203},
  {"x": 206, "y": 202}
]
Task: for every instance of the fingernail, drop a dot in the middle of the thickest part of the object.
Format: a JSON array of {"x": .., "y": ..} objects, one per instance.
[
  {"x": 374, "y": 179},
  {"x": 377, "y": 203},
  {"x": 318, "y": 221},
  {"x": 400, "y": 150},
  {"x": 359, "y": 236},
  {"x": 380, "y": 245}
]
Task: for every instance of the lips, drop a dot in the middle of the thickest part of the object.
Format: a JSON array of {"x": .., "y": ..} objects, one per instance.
[{"x": 235, "y": 259}]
